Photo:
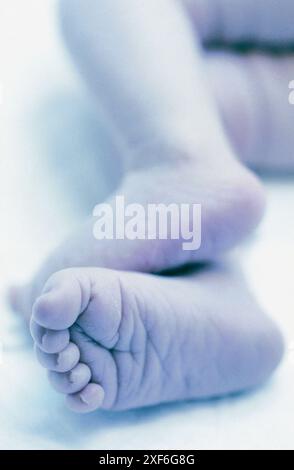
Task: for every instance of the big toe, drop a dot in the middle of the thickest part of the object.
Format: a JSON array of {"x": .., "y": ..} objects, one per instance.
[{"x": 60, "y": 304}]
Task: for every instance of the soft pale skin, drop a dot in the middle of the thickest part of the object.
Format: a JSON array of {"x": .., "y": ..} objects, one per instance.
[
  {"x": 121, "y": 340},
  {"x": 252, "y": 92},
  {"x": 143, "y": 63}
]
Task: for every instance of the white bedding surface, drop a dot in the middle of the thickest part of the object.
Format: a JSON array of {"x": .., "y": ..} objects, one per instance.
[{"x": 46, "y": 123}]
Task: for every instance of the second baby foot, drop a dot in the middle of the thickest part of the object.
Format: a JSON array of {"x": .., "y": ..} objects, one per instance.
[
  {"x": 231, "y": 200},
  {"x": 120, "y": 340}
]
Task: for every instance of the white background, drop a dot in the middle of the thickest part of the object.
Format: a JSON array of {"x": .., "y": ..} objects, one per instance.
[{"x": 49, "y": 135}]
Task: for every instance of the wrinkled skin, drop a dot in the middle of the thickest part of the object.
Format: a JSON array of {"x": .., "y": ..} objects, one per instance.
[{"x": 121, "y": 340}]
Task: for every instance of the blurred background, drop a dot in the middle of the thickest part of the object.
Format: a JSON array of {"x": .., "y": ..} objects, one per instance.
[{"x": 52, "y": 145}]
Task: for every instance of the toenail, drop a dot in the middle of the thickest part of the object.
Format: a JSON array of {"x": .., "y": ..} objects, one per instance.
[
  {"x": 69, "y": 357},
  {"x": 90, "y": 394},
  {"x": 44, "y": 338},
  {"x": 83, "y": 398},
  {"x": 60, "y": 357},
  {"x": 74, "y": 376}
]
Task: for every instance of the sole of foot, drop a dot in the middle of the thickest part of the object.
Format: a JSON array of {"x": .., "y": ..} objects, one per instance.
[{"x": 120, "y": 340}]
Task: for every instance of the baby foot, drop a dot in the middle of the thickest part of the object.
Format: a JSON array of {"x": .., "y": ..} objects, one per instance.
[{"x": 121, "y": 340}]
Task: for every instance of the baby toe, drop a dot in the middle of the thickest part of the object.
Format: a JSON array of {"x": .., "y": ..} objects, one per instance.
[
  {"x": 70, "y": 382},
  {"x": 49, "y": 341},
  {"x": 60, "y": 362},
  {"x": 89, "y": 399},
  {"x": 60, "y": 304}
]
